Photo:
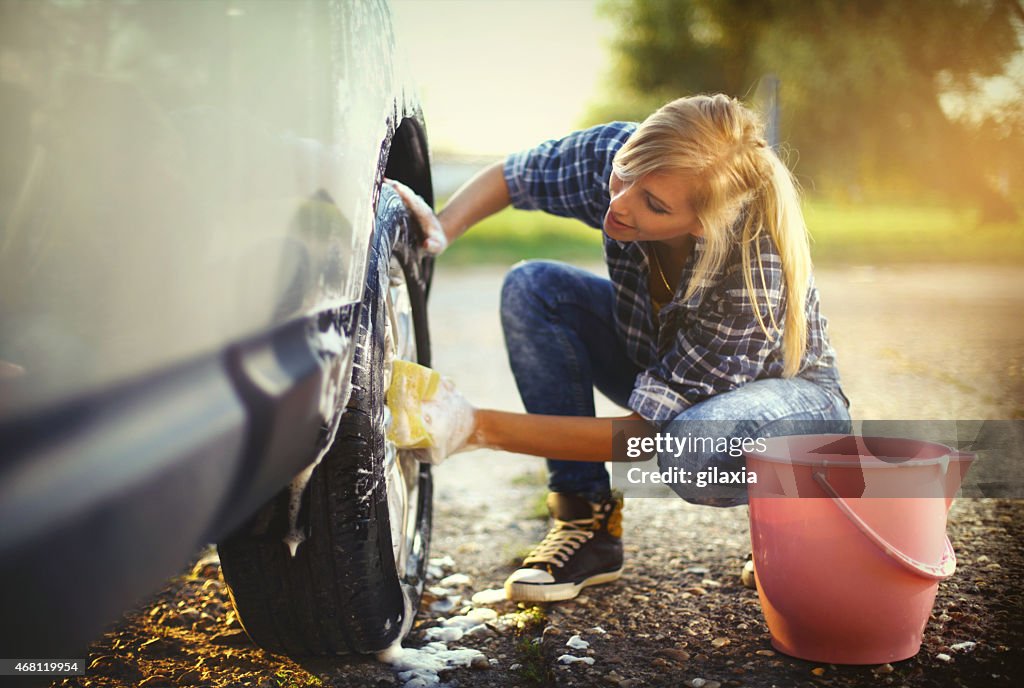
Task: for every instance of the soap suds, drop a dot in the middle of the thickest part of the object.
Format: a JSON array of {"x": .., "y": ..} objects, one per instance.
[
  {"x": 577, "y": 643},
  {"x": 569, "y": 659}
]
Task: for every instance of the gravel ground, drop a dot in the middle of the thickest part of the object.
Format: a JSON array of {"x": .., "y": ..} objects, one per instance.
[{"x": 937, "y": 343}]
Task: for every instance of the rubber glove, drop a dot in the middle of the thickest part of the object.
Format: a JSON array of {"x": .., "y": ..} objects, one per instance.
[
  {"x": 435, "y": 241},
  {"x": 450, "y": 420}
]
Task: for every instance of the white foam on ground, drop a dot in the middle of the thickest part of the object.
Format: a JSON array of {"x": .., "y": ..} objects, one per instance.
[
  {"x": 577, "y": 643},
  {"x": 445, "y": 562},
  {"x": 569, "y": 659},
  {"x": 445, "y": 605},
  {"x": 417, "y": 668},
  {"x": 491, "y": 596},
  {"x": 469, "y": 620},
  {"x": 455, "y": 579},
  {"x": 482, "y": 614},
  {"x": 445, "y": 634}
]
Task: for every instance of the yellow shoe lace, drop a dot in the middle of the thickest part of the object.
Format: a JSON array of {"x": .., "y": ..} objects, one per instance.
[{"x": 561, "y": 542}]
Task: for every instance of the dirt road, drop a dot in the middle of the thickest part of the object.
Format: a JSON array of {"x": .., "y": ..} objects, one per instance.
[{"x": 913, "y": 343}]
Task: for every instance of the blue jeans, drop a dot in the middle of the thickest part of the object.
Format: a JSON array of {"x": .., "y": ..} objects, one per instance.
[{"x": 562, "y": 343}]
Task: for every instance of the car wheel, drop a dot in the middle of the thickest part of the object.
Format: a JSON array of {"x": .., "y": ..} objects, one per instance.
[{"x": 353, "y": 585}]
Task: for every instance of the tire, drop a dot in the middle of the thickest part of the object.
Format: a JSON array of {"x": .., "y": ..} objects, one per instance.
[{"x": 355, "y": 582}]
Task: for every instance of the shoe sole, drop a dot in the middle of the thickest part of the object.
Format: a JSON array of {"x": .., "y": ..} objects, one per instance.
[{"x": 554, "y": 592}]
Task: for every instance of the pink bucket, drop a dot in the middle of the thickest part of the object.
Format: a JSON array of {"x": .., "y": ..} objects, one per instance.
[{"x": 849, "y": 542}]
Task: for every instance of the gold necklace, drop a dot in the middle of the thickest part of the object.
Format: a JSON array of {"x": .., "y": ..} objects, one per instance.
[{"x": 661, "y": 273}]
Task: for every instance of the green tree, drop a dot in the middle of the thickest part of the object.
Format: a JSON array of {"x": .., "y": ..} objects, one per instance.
[{"x": 862, "y": 82}]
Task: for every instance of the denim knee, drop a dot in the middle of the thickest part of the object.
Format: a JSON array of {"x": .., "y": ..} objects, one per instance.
[
  {"x": 760, "y": 409},
  {"x": 523, "y": 290},
  {"x": 703, "y": 458}
]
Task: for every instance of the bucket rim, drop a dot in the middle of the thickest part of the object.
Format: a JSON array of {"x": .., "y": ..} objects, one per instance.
[{"x": 857, "y": 460}]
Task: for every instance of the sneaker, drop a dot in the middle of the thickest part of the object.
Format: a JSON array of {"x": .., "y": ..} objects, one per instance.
[{"x": 583, "y": 547}]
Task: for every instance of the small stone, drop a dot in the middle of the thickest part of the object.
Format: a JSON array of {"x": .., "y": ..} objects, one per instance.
[
  {"x": 720, "y": 642},
  {"x": 515, "y": 667},
  {"x": 884, "y": 669},
  {"x": 699, "y": 570},
  {"x": 676, "y": 655},
  {"x": 742, "y": 627},
  {"x": 659, "y": 662},
  {"x": 613, "y": 678},
  {"x": 943, "y": 657},
  {"x": 155, "y": 681},
  {"x": 765, "y": 653},
  {"x": 966, "y": 646},
  {"x": 697, "y": 590},
  {"x": 189, "y": 678},
  {"x": 747, "y": 577},
  {"x": 818, "y": 671},
  {"x": 696, "y": 683},
  {"x": 480, "y": 663},
  {"x": 708, "y": 583}
]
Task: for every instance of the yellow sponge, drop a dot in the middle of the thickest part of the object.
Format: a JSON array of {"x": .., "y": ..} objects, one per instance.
[{"x": 411, "y": 385}]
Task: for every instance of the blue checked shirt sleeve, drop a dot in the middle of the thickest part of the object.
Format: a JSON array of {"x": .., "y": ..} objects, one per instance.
[
  {"x": 568, "y": 176},
  {"x": 717, "y": 348}
]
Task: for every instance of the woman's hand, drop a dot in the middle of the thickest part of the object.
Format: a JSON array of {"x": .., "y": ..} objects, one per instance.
[
  {"x": 434, "y": 238},
  {"x": 451, "y": 421}
]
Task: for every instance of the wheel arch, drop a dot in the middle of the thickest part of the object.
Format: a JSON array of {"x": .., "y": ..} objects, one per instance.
[{"x": 407, "y": 159}]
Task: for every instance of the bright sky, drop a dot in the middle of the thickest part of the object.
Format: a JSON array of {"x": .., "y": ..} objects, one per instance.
[{"x": 496, "y": 76}]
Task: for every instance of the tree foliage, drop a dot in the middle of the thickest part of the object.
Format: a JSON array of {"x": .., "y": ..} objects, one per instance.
[{"x": 862, "y": 82}]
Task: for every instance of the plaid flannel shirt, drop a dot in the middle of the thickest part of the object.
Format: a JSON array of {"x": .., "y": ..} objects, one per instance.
[{"x": 693, "y": 348}]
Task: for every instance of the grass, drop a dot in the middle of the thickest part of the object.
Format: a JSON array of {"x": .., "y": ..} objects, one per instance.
[
  {"x": 533, "y": 669},
  {"x": 881, "y": 234},
  {"x": 513, "y": 235},
  {"x": 289, "y": 678},
  {"x": 538, "y": 478},
  {"x": 537, "y": 507},
  {"x": 842, "y": 234}
]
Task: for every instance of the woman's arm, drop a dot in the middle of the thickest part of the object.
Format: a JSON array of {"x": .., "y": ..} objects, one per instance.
[
  {"x": 571, "y": 438},
  {"x": 483, "y": 195}
]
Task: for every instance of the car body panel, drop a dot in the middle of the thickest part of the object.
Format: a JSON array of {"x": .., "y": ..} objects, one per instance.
[{"x": 175, "y": 176}]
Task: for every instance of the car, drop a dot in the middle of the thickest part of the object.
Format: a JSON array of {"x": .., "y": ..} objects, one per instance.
[{"x": 203, "y": 281}]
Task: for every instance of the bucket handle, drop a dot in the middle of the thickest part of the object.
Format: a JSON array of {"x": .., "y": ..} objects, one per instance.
[{"x": 944, "y": 569}]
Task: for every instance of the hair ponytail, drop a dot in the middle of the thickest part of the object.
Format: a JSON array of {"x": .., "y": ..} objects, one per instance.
[{"x": 776, "y": 209}]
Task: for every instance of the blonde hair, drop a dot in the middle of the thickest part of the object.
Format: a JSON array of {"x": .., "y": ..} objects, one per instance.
[{"x": 741, "y": 189}]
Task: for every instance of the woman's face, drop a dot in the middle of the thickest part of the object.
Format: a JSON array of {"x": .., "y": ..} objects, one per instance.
[{"x": 655, "y": 207}]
